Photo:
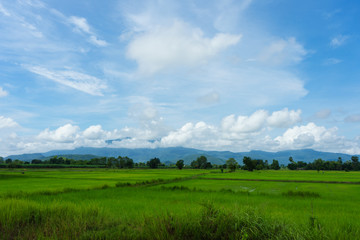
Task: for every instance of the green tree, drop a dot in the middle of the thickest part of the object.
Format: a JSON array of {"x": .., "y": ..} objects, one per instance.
[
  {"x": 36, "y": 161},
  {"x": 319, "y": 164},
  {"x": 292, "y": 165},
  {"x": 249, "y": 164},
  {"x": 129, "y": 163},
  {"x": 355, "y": 159},
  {"x": 201, "y": 162},
  {"x": 154, "y": 162},
  {"x": 275, "y": 165},
  {"x": 231, "y": 164},
  {"x": 355, "y": 163},
  {"x": 180, "y": 164}
]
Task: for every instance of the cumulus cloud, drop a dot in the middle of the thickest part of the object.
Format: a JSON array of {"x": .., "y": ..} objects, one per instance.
[
  {"x": 242, "y": 133},
  {"x": 66, "y": 133},
  {"x": 76, "y": 80},
  {"x": 81, "y": 25},
  {"x": 94, "y": 132},
  {"x": 284, "y": 118},
  {"x": 306, "y": 136},
  {"x": 7, "y": 122},
  {"x": 245, "y": 124},
  {"x": 283, "y": 51},
  {"x": 259, "y": 120},
  {"x": 194, "y": 135},
  {"x": 3, "y": 93},
  {"x": 177, "y": 45},
  {"x": 338, "y": 41}
]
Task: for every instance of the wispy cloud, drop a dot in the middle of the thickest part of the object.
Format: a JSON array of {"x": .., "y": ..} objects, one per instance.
[
  {"x": 4, "y": 11},
  {"x": 3, "y": 93},
  {"x": 338, "y": 41},
  {"x": 81, "y": 25},
  {"x": 283, "y": 51},
  {"x": 73, "y": 79},
  {"x": 323, "y": 114},
  {"x": 353, "y": 118},
  {"x": 332, "y": 61}
]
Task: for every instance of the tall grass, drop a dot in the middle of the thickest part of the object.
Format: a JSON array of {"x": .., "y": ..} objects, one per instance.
[{"x": 20, "y": 219}]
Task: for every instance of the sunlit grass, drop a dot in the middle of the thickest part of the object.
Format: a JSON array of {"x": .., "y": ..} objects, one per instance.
[{"x": 41, "y": 204}]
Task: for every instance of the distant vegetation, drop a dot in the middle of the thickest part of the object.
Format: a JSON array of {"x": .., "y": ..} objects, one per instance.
[{"x": 200, "y": 163}]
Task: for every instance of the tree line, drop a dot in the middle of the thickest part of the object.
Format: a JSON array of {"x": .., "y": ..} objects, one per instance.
[{"x": 200, "y": 163}]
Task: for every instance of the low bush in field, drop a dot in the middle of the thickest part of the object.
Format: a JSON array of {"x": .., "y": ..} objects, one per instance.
[{"x": 301, "y": 194}]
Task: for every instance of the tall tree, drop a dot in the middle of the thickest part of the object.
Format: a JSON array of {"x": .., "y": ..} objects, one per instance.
[
  {"x": 154, "y": 162},
  {"x": 275, "y": 165},
  {"x": 231, "y": 164},
  {"x": 249, "y": 164},
  {"x": 180, "y": 164}
]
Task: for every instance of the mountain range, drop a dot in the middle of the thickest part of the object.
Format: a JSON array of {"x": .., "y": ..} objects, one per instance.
[{"x": 187, "y": 154}]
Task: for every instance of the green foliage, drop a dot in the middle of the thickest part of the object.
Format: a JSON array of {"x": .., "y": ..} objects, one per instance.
[
  {"x": 180, "y": 164},
  {"x": 249, "y": 164},
  {"x": 231, "y": 164},
  {"x": 201, "y": 162},
  {"x": 275, "y": 165},
  {"x": 154, "y": 163}
]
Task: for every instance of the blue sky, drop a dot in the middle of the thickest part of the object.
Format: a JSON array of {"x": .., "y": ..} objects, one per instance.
[{"x": 216, "y": 75}]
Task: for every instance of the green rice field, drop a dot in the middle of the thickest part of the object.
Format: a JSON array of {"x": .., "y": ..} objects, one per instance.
[{"x": 178, "y": 204}]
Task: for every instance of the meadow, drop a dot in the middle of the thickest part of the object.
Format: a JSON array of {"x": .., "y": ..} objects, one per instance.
[{"x": 178, "y": 204}]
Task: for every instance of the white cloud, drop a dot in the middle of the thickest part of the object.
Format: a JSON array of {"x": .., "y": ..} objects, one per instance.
[
  {"x": 199, "y": 135},
  {"x": 81, "y": 25},
  {"x": 237, "y": 134},
  {"x": 307, "y": 136},
  {"x": 284, "y": 118},
  {"x": 338, "y": 40},
  {"x": 282, "y": 51},
  {"x": 66, "y": 133},
  {"x": 7, "y": 123},
  {"x": 94, "y": 40},
  {"x": 176, "y": 46},
  {"x": 244, "y": 124},
  {"x": 94, "y": 132},
  {"x": 76, "y": 80},
  {"x": 3, "y": 93}
]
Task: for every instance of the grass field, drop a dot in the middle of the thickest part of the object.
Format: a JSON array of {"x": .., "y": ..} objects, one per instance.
[{"x": 178, "y": 204}]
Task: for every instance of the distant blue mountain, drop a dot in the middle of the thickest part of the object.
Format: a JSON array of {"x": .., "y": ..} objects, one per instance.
[{"x": 187, "y": 154}]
